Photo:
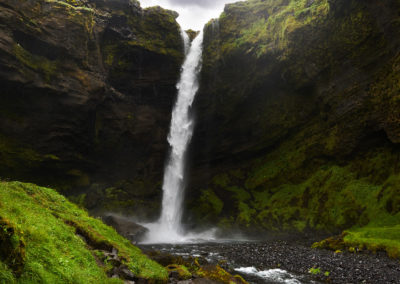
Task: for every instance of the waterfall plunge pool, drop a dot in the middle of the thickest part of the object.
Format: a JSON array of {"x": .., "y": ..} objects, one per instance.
[{"x": 255, "y": 261}]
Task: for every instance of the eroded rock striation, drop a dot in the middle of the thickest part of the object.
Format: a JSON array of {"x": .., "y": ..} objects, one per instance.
[
  {"x": 87, "y": 89},
  {"x": 298, "y": 116}
]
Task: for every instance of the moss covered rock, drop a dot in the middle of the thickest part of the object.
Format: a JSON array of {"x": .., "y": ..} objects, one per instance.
[
  {"x": 216, "y": 273},
  {"x": 180, "y": 271},
  {"x": 296, "y": 116}
]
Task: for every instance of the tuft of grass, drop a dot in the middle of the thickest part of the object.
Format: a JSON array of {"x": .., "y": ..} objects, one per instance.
[
  {"x": 371, "y": 237},
  {"x": 182, "y": 271},
  {"x": 314, "y": 270},
  {"x": 59, "y": 240}
]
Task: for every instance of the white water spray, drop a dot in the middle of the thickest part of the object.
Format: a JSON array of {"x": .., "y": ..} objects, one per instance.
[{"x": 168, "y": 228}]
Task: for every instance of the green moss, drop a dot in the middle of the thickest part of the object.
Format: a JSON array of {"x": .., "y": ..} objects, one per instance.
[
  {"x": 38, "y": 63},
  {"x": 371, "y": 237},
  {"x": 386, "y": 238},
  {"x": 263, "y": 27},
  {"x": 183, "y": 272},
  {"x": 18, "y": 160},
  {"x": 192, "y": 34},
  {"x": 314, "y": 270},
  {"x": 126, "y": 197},
  {"x": 209, "y": 205},
  {"x": 221, "y": 180},
  {"x": 79, "y": 199},
  {"x": 239, "y": 194},
  {"x": 283, "y": 193},
  {"x": 109, "y": 53},
  {"x": 245, "y": 214},
  {"x": 226, "y": 223},
  {"x": 14, "y": 156},
  {"x": 81, "y": 179},
  {"x": 217, "y": 273},
  {"x": 54, "y": 252},
  {"x": 6, "y": 274},
  {"x": 12, "y": 247},
  {"x": 157, "y": 31},
  {"x": 325, "y": 168},
  {"x": 332, "y": 243}
]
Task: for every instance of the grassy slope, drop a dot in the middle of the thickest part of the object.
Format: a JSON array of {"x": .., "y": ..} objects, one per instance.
[
  {"x": 375, "y": 238},
  {"x": 40, "y": 227}
]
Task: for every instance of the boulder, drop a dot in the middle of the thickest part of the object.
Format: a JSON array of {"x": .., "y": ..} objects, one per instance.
[{"x": 125, "y": 227}]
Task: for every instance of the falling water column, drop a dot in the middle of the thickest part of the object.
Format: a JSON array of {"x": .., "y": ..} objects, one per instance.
[{"x": 168, "y": 228}]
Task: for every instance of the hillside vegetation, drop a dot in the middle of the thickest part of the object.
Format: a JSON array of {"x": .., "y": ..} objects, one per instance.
[
  {"x": 298, "y": 120},
  {"x": 44, "y": 238}
]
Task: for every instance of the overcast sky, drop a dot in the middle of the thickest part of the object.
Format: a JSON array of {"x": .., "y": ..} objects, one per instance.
[{"x": 193, "y": 14}]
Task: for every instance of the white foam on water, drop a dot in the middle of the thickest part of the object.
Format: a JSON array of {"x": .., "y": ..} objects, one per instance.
[{"x": 276, "y": 275}]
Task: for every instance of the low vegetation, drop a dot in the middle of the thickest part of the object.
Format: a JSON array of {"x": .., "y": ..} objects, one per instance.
[{"x": 47, "y": 239}]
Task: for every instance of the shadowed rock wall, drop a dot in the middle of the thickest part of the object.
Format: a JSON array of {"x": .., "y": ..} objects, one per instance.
[
  {"x": 297, "y": 119},
  {"x": 87, "y": 89}
]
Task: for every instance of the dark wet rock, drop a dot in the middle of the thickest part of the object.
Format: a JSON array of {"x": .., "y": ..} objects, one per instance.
[
  {"x": 122, "y": 272},
  {"x": 185, "y": 282},
  {"x": 125, "y": 227},
  {"x": 118, "y": 270},
  {"x": 174, "y": 274},
  {"x": 288, "y": 97},
  {"x": 192, "y": 34},
  {"x": 297, "y": 258},
  {"x": 12, "y": 247},
  {"x": 87, "y": 111},
  {"x": 204, "y": 281},
  {"x": 125, "y": 273}
]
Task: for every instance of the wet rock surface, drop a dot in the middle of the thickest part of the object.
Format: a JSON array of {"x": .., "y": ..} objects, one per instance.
[
  {"x": 125, "y": 227},
  {"x": 87, "y": 91},
  {"x": 119, "y": 270},
  {"x": 283, "y": 97},
  {"x": 295, "y": 257}
]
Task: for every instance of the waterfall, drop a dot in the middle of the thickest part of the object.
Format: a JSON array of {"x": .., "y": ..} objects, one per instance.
[
  {"x": 181, "y": 131},
  {"x": 168, "y": 228}
]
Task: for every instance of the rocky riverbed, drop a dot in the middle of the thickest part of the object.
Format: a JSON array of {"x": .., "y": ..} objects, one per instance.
[{"x": 290, "y": 262}]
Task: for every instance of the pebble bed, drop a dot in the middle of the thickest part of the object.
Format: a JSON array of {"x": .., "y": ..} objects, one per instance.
[{"x": 297, "y": 258}]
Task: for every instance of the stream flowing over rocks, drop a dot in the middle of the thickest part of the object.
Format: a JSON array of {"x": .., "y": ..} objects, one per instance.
[{"x": 289, "y": 262}]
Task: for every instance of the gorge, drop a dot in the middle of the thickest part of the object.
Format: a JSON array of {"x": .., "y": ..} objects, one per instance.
[{"x": 295, "y": 105}]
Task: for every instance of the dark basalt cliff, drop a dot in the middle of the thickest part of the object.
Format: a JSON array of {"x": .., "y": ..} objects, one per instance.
[
  {"x": 297, "y": 118},
  {"x": 87, "y": 89}
]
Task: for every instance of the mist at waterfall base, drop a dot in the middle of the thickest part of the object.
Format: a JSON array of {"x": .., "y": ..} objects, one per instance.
[{"x": 168, "y": 228}]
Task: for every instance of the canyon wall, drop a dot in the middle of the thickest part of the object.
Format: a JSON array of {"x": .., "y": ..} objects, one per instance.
[
  {"x": 297, "y": 119},
  {"x": 87, "y": 89}
]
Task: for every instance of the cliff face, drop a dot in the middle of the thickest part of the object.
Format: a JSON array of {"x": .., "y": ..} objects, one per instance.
[
  {"x": 86, "y": 94},
  {"x": 297, "y": 119}
]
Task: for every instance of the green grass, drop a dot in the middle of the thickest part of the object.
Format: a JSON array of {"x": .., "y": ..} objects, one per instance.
[
  {"x": 40, "y": 227},
  {"x": 314, "y": 270},
  {"x": 385, "y": 238},
  {"x": 182, "y": 270}
]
